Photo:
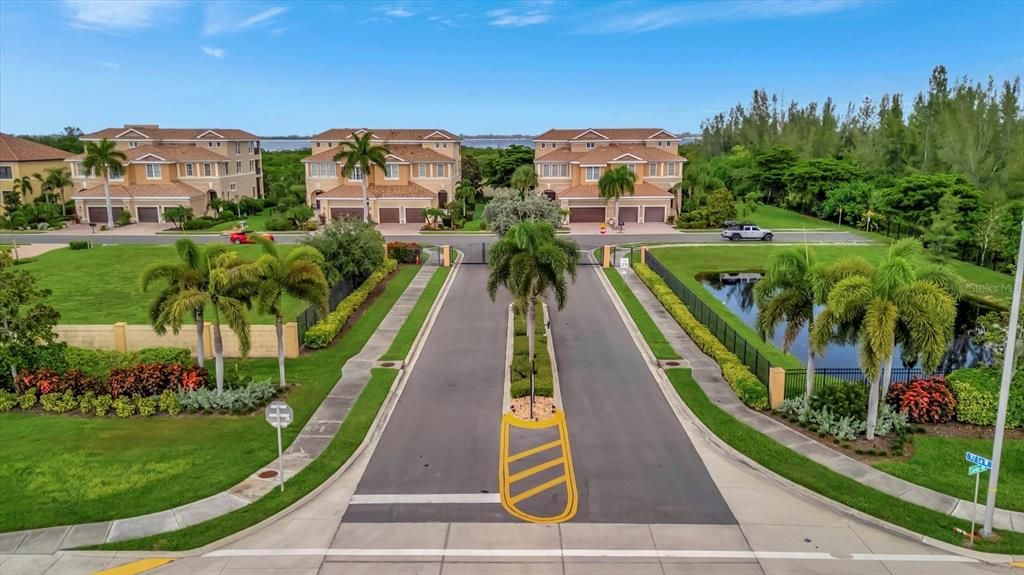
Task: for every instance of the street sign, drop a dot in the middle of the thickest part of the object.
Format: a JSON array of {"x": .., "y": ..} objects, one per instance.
[
  {"x": 279, "y": 414},
  {"x": 624, "y": 263},
  {"x": 978, "y": 460},
  {"x": 976, "y": 469},
  {"x": 604, "y": 229}
]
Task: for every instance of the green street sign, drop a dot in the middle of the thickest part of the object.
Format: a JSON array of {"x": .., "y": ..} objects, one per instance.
[{"x": 976, "y": 469}]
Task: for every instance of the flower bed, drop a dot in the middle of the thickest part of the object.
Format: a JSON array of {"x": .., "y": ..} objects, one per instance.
[
  {"x": 746, "y": 385},
  {"x": 322, "y": 334},
  {"x": 923, "y": 400},
  {"x": 405, "y": 252}
]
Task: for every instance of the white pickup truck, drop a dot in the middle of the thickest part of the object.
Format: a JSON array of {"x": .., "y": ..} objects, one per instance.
[{"x": 743, "y": 231}]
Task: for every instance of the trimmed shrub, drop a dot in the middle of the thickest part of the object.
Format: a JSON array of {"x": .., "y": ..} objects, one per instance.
[
  {"x": 923, "y": 400},
  {"x": 100, "y": 362},
  {"x": 59, "y": 402},
  {"x": 237, "y": 400},
  {"x": 519, "y": 370},
  {"x": 8, "y": 400},
  {"x": 200, "y": 223},
  {"x": 124, "y": 406},
  {"x": 843, "y": 399},
  {"x": 323, "y": 333},
  {"x": 165, "y": 355},
  {"x": 87, "y": 403},
  {"x": 79, "y": 245},
  {"x": 145, "y": 405},
  {"x": 977, "y": 394},
  {"x": 102, "y": 404},
  {"x": 169, "y": 402},
  {"x": 153, "y": 378},
  {"x": 280, "y": 224},
  {"x": 748, "y": 388},
  {"x": 27, "y": 400},
  {"x": 404, "y": 252}
]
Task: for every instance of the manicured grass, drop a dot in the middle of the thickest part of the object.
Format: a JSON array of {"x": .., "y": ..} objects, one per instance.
[
  {"x": 256, "y": 223},
  {"x": 344, "y": 444},
  {"x": 57, "y": 470},
  {"x": 478, "y": 218},
  {"x": 820, "y": 479},
  {"x": 775, "y": 218},
  {"x": 938, "y": 463},
  {"x": 403, "y": 341},
  {"x": 655, "y": 339},
  {"x": 102, "y": 285}
]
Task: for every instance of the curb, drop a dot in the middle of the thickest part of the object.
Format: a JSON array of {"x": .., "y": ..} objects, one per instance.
[{"x": 688, "y": 419}]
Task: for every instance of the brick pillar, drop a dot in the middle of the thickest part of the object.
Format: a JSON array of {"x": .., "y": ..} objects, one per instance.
[
  {"x": 447, "y": 257},
  {"x": 208, "y": 338},
  {"x": 607, "y": 259},
  {"x": 120, "y": 336},
  {"x": 643, "y": 254},
  {"x": 291, "y": 339},
  {"x": 776, "y": 387}
]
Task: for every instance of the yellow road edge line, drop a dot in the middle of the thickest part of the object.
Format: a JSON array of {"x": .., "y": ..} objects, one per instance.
[
  {"x": 136, "y": 566},
  {"x": 533, "y": 450},
  {"x": 535, "y": 490},
  {"x": 535, "y": 469}
]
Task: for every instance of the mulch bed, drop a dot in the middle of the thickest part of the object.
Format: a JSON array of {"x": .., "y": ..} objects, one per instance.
[{"x": 543, "y": 408}]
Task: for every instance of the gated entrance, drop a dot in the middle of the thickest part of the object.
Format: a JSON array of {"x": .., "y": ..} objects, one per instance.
[{"x": 472, "y": 254}]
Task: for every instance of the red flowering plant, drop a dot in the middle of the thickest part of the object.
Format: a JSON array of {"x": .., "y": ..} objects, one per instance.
[
  {"x": 151, "y": 379},
  {"x": 43, "y": 380},
  {"x": 923, "y": 400}
]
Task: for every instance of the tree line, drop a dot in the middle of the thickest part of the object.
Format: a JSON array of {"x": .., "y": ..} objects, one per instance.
[{"x": 950, "y": 171}]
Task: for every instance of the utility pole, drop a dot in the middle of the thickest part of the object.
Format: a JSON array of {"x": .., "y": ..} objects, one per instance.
[{"x": 1004, "y": 390}]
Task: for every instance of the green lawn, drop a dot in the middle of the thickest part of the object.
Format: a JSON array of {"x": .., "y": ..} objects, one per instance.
[
  {"x": 775, "y": 218},
  {"x": 660, "y": 346},
  {"x": 475, "y": 224},
  {"x": 938, "y": 463},
  {"x": 101, "y": 285},
  {"x": 820, "y": 479},
  {"x": 411, "y": 328},
  {"x": 256, "y": 223},
  {"x": 57, "y": 470}
]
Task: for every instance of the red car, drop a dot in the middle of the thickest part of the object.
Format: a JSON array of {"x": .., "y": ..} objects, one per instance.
[{"x": 243, "y": 237}]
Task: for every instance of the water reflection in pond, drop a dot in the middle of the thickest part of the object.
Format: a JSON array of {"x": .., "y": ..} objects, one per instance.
[{"x": 736, "y": 291}]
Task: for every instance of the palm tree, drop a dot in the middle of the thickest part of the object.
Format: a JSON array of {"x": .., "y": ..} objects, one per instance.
[
  {"x": 528, "y": 261},
  {"x": 894, "y": 304},
  {"x": 44, "y": 187},
  {"x": 192, "y": 272},
  {"x": 101, "y": 158},
  {"x": 231, "y": 287},
  {"x": 614, "y": 184},
  {"x": 298, "y": 274},
  {"x": 23, "y": 187},
  {"x": 362, "y": 154},
  {"x": 59, "y": 179},
  {"x": 463, "y": 192},
  {"x": 524, "y": 179}
]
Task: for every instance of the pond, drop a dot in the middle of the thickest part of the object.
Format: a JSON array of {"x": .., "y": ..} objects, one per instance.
[{"x": 736, "y": 291}]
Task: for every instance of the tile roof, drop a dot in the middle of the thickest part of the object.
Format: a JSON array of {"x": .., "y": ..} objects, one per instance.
[
  {"x": 605, "y": 154},
  {"x": 608, "y": 133},
  {"x": 169, "y": 152},
  {"x": 561, "y": 155},
  {"x": 411, "y": 153},
  {"x": 427, "y": 135},
  {"x": 154, "y": 132},
  {"x": 643, "y": 189},
  {"x": 21, "y": 150},
  {"x": 165, "y": 190},
  {"x": 353, "y": 191}
]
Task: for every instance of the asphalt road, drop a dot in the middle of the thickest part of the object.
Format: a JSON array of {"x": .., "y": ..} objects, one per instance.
[
  {"x": 633, "y": 461},
  {"x": 442, "y": 437},
  {"x": 585, "y": 240}
]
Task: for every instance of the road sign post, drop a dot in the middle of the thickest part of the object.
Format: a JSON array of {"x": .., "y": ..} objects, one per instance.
[
  {"x": 279, "y": 415},
  {"x": 979, "y": 465}
]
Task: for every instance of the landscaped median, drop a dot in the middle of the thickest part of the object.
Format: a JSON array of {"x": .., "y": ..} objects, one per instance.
[{"x": 519, "y": 368}]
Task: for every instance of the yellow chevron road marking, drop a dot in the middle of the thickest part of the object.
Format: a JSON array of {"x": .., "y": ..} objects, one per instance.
[
  {"x": 563, "y": 459},
  {"x": 532, "y": 450},
  {"x": 535, "y": 469},
  {"x": 135, "y": 567}
]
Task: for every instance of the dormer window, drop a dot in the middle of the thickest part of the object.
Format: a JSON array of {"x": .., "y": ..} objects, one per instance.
[
  {"x": 591, "y": 145},
  {"x": 115, "y": 173},
  {"x": 152, "y": 171},
  {"x": 391, "y": 171},
  {"x": 133, "y": 144}
]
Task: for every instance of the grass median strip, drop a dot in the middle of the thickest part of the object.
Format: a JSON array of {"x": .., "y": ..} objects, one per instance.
[
  {"x": 66, "y": 470},
  {"x": 655, "y": 339},
  {"x": 822, "y": 480},
  {"x": 403, "y": 341},
  {"x": 344, "y": 444}
]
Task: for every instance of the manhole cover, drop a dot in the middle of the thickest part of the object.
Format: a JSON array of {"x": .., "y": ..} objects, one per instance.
[{"x": 267, "y": 474}]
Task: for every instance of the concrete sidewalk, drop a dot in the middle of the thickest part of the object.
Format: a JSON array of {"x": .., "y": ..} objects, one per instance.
[
  {"x": 310, "y": 443},
  {"x": 709, "y": 376}
]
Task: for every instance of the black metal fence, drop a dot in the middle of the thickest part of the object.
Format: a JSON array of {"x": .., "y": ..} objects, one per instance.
[
  {"x": 796, "y": 379},
  {"x": 733, "y": 341},
  {"x": 311, "y": 315}
]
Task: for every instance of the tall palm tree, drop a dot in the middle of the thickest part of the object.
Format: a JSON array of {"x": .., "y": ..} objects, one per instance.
[
  {"x": 894, "y": 304},
  {"x": 528, "y": 261},
  {"x": 465, "y": 191},
  {"x": 23, "y": 187},
  {"x": 614, "y": 184},
  {"x": 361, "y": 153},
  {"x": 102, "y": 158},
  {"x": 524, "y": 179},
  {"x": 59, "y": 179},
  {"x": 231, "y": 288},
  {"x": 44, "y": 187},
  {"x": 297, "y": 274},
  {"x": 191, "y": 272}
]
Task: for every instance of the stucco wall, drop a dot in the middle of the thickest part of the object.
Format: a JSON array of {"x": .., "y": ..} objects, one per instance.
[{"x": 124, "y": 337}]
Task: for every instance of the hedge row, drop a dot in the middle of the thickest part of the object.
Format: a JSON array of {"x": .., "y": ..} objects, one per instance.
[
  {"x": 977, "y": 394},
  {"x": 544, "y": 384},
  {"x": 748, "y": 388},
  {"x": 322, "y": 334}
]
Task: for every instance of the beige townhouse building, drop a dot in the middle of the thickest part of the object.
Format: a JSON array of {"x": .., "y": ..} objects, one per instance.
[
  {"x": 169, "y": 167},
  {"x": 570, "y": 162},
  {"x": 20, "y": 158},
  {"x": 422, "y": 169}
]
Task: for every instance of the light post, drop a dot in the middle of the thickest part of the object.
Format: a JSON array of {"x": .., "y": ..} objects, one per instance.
[{"x": 1004, "y": 390}]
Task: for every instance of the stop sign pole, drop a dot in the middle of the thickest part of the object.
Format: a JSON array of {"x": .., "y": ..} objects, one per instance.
[{"x": 279, "y": 415}]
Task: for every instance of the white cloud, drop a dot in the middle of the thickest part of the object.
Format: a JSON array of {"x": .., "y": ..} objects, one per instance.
[
  {"x": 510, "y": 19},
  {"x": 224, "y": 18},
  {"x": 398, "y": 12},
  {"x": 638, "y": 19},
  {"x": 115, "y": 16},
  {"x": 215, "y": 52}
]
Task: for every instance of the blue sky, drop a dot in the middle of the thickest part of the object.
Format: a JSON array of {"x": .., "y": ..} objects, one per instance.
[{"x": 473, "y": 67}]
